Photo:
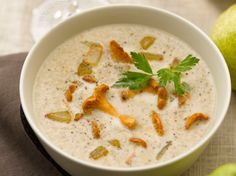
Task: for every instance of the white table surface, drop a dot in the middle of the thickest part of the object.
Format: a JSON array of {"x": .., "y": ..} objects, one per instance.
[{"x": 15, "y": 36}]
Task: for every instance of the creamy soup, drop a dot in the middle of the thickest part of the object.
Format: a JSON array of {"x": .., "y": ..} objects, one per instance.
[{"x": 85, "y": 132}]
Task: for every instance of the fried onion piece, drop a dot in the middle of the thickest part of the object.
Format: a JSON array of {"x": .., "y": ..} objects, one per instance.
[
  {"x": 94, "y": 53},
  {"x": 95, "y": 130},
  {"x": 89, "y": 78},
  {"x": 147, "y": 41},
  {"x": 99, "y": 101},
  {"x": 61, "y": 116},
  {"x": 115, "y": 143},
  {"x": 152, "y": 56},
  {"x": 118, "y": 54},
  {"x": 195, "y": 117},
  {"x": 98, "y": 153},
  {"x": 78, "y": 116},
  {"x": 163, "y": 150},
  {"x": 162, "y": 97},
  {"x": 138, "y": 141},
  {"x": 157, "y": 123},
  {"x": 84, "y": 69}
]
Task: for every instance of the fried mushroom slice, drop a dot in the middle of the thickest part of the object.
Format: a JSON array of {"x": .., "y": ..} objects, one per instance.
[
  {"x": 118, "y": 54},
  {"x": 195, "y": 117},
  {"x": 157, "y": 123},
  {"x": 99, "y": 101},
  {"x": 138, "y": 141},
  {"x": 89, "y": 78},
  {"x": 182, "y": 99},
  {"x": 162, "y": 97},
  {"x": 78, "y": 116},
  {"x": 151, "y": 88},
  {"x": 69, "y": 92}
]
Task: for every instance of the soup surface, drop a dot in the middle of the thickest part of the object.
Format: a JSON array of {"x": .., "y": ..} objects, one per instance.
[{"x": 80, "y": 136}]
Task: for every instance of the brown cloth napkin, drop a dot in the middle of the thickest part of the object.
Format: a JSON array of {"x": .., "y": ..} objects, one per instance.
[{"x": 19, "y": 156}]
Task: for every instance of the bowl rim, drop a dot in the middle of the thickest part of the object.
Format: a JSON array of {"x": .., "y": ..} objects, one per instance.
[{"x": 139, "y": 168}]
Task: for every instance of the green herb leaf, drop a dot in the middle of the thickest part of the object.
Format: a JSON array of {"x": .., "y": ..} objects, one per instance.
[
  {"x": 141, "y": 62},
  {"x": 167, "y": 75},
  {"x": 137, "y": 80},
  {"x": 174, "y": 74},
  {"x": 133, "y": 80},
  {"x": 186, "y": 64}
]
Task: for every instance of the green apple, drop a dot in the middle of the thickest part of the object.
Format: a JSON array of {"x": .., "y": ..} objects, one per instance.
[
  {"x": 224, "y": 36},
  {"x": 225, "y": 170}
]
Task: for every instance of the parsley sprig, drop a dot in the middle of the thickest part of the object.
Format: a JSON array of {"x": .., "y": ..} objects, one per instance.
[{"x": 138, "y": 80}]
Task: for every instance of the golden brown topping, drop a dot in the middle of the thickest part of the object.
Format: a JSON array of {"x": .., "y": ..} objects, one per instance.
[
  {"x": 78, "y": 116},
  {"x": 98, "y": 153},
  {"x": 94, "y": 54},
  {"x": 147, "y": 41},
  {"x": 95, "y": 130},
  {"x": 151, "y": 88},
  {"x": 69, "y": 92},
  {"x": 163, "y": 150},
  {"x": 194, "y": 117},
  {"x": 157, "y": 123},
  {"x": 138, "y": 141},
  {"x": 162, "y": 97},
  {"x": 154, "y": 84},
  {"x": 89, "y": 79},
  {"x": 152, "y": 57},
  {"x": 68, "y": 95},
  {"x": 61, "y": 116},
  {"x": 118, "y": 54},
  {"x": 84, "y": 69},
  {"x": 128, "y": 121},
  {"x": 99, "y": 101},
  {"x": 174, "y": 63},
  {"x": 115, "y": 143},
  {"x": 73, "y": 87},
  {"x": 127, "y": 94},
  {"x": 130, "y": 158},
  {"x": 182, "y": 99}
]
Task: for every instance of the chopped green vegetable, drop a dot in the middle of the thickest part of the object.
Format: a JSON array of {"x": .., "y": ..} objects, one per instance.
[
  {"x": 173, "y": 74},
  {"x": 138, "y": 80},
  {"x": 133, "y": 80},
  {"x": 141, "y": 62}
]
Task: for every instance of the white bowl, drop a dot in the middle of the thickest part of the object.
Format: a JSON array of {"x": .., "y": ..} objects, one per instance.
[{"x": 153, "y": 17}]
